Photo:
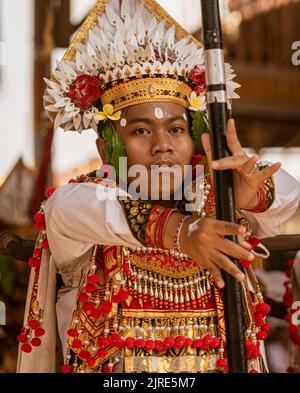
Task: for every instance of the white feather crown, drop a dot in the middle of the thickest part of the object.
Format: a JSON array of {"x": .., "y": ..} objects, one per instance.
[{"x": 131, "y": 54}]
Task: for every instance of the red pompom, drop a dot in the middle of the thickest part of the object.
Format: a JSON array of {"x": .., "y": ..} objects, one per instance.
[
  {"x": 66, "y": 369},
  {"x": 87, "y": 306},
  {"x": 93, "y": 279},
  {"x": 106, "y": 369},
  {"x": 34, "y": 262},
  {"x": 296, "y": 339},
  {"x": 216, "y": 342},
  {"x": 76, "y": 344},
  {"x": 115, "y": 299},
  {"x": 290, "y": 370},
  {"x": 25, "y": 348},
  {"x": 291, "y": 263},
  {"x": 72, "y": 181},
  {"x": 36, "y": 342},
  {"x": 102, "y": 342},
  {"x": 34, "y": 324},
  {"x": 262, "y": 335},
  {"x": 293, "y": 329},
  {"x": 265, "y": 327},
  {"x": 188, "y": 342},
  {"x": 101, "y": 353},
  {"x": 106, "y": 307},
  {"x": 83, "y": 297},
  {"x": 39, "y": 332},
  {"x": 95, "y": 313},
  {"x": 253, "y": 371},
  {"x": 40, "y": 227},
  {"x": 45, "y": 244},
  {"x": 259, "y": 322},
  {"x": 159, "y": 346},
  {"x": 258, "y": 315},
  {"x": 49, "y": 191},
  {"x": 22, "y": 338},
  {"x": 150, "y": 345},
  {"x": 91, "y": 362},
  {"x": 115, "y": 338},
  {"x": 72, "y": 332},
  {"x": 90, "y": 288},
  {"x": 130, "y": 342},
  {"x": 37, "y": 252},
  {"x": 221, "y": 363},
  {"x": 168, "y": 342},
  {"x": 179, "y": 342},
  {"x": 84, "y": 354},
  {"x": 123, "y": 295},
  {"x": 140, "y": 343},
  {"x": 197, "y": 343},
  {"x": 39, "y": 218},
  {"x": 288, "y": 273},
  {"x": 264, "y": 308}
]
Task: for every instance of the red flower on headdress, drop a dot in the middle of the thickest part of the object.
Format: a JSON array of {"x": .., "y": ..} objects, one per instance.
[
  {"x": 85, "y": 91},
  {"x": 198, "y": 77}
]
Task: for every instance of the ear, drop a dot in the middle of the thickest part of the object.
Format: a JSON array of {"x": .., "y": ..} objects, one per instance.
[
  {"x": 98, "y": 145},
  {"x": 100, "y": 148}
]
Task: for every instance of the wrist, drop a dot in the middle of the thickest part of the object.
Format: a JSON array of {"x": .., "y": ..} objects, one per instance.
[{"x": 259, "y": 205}]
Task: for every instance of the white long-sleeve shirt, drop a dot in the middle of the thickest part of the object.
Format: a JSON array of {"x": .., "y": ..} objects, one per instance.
[{"x": 78, "y": 217}]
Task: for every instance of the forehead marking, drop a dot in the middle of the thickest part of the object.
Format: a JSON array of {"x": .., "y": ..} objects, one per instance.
[
  {"x": 123, "y": 122},
  {"x": 158, "y": 113}
]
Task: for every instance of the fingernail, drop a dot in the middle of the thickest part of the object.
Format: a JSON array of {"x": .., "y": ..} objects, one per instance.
[
  {"x": 251, "y": 257},
  {"x": 246, "y": 245},
  {"x": 240, "y": 276},
  {"x": 242, "y": 230},
  {"x": 220, "y": 283}
]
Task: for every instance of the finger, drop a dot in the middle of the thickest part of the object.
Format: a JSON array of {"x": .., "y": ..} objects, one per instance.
[
  {"x": 233, "y": 142},
  {"x": 233, "y": 250},
  {"x": 249, "y": 165},
  {"x": 268, "y": 172},
  {"x": 225, "y": 263},
  {"x": 205, "y": 139},
  {"x": 215, "y": 271},
  {"x": 225, "y": 228},
  {"x": 232, "y": 162},
  {"x": 242, "y": 242}
]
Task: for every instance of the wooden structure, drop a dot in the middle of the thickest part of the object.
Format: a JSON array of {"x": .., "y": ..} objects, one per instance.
[{"x": 268, "y": 113}]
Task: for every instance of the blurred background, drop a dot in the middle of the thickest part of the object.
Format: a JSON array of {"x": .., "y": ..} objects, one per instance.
[{"x": 261, "y": 41}]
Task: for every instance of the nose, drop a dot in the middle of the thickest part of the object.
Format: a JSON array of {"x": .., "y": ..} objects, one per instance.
[{"x": 161, "y": 144}]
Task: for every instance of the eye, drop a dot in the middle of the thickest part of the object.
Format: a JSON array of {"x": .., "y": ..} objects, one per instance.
[
  {"x": 140, "y": 131},
  {"x": 177, "y": 130}
]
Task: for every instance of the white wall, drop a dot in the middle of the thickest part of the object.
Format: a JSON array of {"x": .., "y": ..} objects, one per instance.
[{"x": 16, "y": 93}]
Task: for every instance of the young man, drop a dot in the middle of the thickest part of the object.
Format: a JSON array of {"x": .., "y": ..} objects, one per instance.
[{"x": 142, "y": 285}]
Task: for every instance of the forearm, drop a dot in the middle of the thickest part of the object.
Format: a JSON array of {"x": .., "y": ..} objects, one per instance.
[{"x": 285, "y": 203}]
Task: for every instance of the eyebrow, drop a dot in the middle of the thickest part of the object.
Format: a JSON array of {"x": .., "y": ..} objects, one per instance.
[{"x": 150, "y": 120}]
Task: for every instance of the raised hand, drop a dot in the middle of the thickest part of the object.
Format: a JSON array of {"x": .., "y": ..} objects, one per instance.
[{"x": 247, "y": 178}]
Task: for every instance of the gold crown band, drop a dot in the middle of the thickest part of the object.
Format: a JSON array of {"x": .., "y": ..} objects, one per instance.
[{"x": 151, "y": 89}]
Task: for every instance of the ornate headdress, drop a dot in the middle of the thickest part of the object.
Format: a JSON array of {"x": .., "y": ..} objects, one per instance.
[{"x": 126, "y": 53}]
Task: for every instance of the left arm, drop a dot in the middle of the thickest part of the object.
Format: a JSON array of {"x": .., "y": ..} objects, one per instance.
[{"x": 248, "y": 181}]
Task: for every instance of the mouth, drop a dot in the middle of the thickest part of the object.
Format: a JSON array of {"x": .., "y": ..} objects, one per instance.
[{"x": 164, "y": 163}]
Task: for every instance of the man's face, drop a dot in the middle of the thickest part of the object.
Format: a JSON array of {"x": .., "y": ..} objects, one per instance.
[{"x": 156, "y": 134}]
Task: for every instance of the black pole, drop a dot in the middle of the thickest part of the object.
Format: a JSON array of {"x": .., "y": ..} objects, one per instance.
[{"x": 223, "y": 180}]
